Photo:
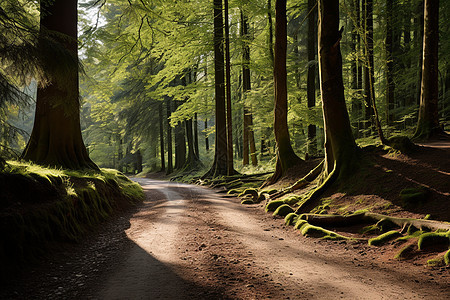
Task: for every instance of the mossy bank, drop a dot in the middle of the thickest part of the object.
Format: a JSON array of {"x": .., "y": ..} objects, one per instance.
[{"x": 39, "y": 206}]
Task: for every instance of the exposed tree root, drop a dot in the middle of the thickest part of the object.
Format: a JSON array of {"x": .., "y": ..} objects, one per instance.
[
  {"x": 366, "y": 217},
  {"x": 305, "y": 181},
  {"x": 318, "y": 191}
]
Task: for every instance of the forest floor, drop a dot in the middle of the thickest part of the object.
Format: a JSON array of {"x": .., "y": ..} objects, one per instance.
[{"x": 188, "y": 242}]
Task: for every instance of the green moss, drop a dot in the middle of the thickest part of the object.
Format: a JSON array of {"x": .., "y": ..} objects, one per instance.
[
  {"x": 383, "y": 238},
  {"x": 300, "y": 223},
  {"x": 436, "y": 262},
  {"x": 385, "y": 225},
  {"x": 412, "y": 197},
  {"x": 405, "y": 252},
  {"x": 401, "y": 143},
  {"x": 291, "y": 200},
  {"x": 290, "y": 219},
  {"x": 412, "y": 235},
  {"x": 319, "y": 232},
  {"x": 251, "y": 191},
  {"x": 283, "y": 210},
  {"x": 270, "y": 191},
  {"x": 432, "y": 239},
  {"x": 273, "y": 205},
  {"x": 447, "y": 258}
]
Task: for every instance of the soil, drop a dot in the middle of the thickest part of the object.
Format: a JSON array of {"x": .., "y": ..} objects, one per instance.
[{"x": 188, "y": 242}]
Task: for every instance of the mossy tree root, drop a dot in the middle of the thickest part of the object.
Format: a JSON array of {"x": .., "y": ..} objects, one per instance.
[
  {"x": 366, "y": 217},
  {"x": 318, "y": 191}
]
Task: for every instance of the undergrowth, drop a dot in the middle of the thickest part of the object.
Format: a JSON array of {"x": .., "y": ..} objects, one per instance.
[{"x": 40, "y": 205}]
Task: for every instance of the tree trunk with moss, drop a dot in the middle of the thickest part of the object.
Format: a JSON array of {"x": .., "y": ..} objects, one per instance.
[
  {"x": 428, "y": 123},
  {"x": 56, "y": 137},
  {"x": 286, "y": 156}
]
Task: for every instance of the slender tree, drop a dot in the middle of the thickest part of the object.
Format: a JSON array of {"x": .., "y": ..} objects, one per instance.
[
  {"x": 390, "y": 85},
  {"x": 219, "y": 166},
  {"x": 248, "y": 135},
  {"x": 161, "y": 137},
  {"x": 286, "y": 156},
  {"x": 428, "y": 123},
  {"x": 169, "y": 136},
  {"x": 311, "y": 80},
  {"x": 230, "y": 159},
  {"x": 56, "y": 137}
]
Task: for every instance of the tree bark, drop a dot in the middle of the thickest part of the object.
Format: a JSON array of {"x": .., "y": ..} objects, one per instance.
[
  {"x": 311, "y": 80},
  {"x": 56, "y": 136},
  {"x": 286, "y": 156},
  {"x": 230, "y": 159},
  {"x": 369, "y": 78},
  {"x": 390, "y": 85},
  {"x": 219, "y": 166},
  {"x": 161, "y": 137},
  {"x": 340, "y": 146},
  {"x": 195, "y": 129},
  {"x": 428, "y": 123},
  {"x": 169, "y": 137},
  {"x": 248, "y": 136}
]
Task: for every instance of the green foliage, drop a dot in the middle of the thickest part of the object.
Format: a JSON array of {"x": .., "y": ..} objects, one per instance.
[{"x": 384, "y": 238}]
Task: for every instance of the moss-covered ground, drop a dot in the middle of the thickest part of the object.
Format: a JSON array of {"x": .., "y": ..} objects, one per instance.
[{"x": 40, "y": 206}]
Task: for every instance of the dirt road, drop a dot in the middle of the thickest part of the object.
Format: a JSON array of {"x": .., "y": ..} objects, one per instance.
[{"x": 187, "y": 242}]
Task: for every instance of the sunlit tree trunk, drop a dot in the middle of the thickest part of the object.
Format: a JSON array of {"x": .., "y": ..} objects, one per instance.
[
  {"x": 219, "y": 166},
  {"x": 56, "y": 137},
  {"x": 286, "y": 157},
  {"x": 428, "y": 123}
]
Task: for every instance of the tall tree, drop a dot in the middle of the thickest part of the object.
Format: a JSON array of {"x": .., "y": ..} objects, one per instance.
[
  {"x": 428, "y": 123},
  {"x": 169, "y": 136},
  {"x": 286, "y": 156},
  {"x": 248, "y": 135},
  {"x": 219, "y": 166},
  {"x": 56, "y": 137},
  {"x": 369, "y": 72},
  {"x": 230, "y": 167},
  {"x": 390, "y": 85},
  {"x": 161, "y": 137},
  {"x": 311, "y": 80}
]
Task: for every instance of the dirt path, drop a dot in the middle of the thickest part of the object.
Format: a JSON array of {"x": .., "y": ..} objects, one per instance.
[{"x": 187, "y": 242}]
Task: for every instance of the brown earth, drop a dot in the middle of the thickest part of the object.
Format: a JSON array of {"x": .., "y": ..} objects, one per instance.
[{"x": 188, "y": 242}]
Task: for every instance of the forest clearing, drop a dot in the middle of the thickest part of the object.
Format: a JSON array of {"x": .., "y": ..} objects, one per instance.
[{"x": 233, "y": 150}]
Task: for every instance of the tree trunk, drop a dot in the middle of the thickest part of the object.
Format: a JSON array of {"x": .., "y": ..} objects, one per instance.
[
  {"x": 56, "y": 137},
  {"x": 340, "y": 146},
  {"x": 286, "y": 156},
  {"x": 206, "y": 136},
  {"x": 219, "y": 166},
  {"x": 369, "y": 80},
  {"x": 248, "y": 136},
  {"x": 192, "y": 160},
  {"x": 390, "y": 86},
  {"x": 197, "y": 153},
  {"x": 230, "y": 159},
  {"x": 428, "y": 123},
  {"x": 169, "y": 138},
  {"x": 161, "y": 137},
  {"x": 311, "y": 81}
]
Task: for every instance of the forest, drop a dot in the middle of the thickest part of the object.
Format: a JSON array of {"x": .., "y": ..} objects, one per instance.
[{"x": 332, "y": 116}]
